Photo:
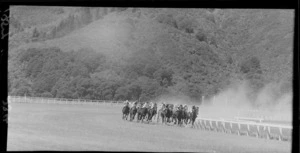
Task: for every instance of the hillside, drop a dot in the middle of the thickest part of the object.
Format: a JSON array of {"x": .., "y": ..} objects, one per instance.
[{"x": 146, "y": 53}]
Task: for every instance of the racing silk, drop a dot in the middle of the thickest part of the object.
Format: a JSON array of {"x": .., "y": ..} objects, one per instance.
[
  {"x": 126, "y": 104},
  {"x": 155, "y": 105},
  {"x": 175, "y": 108},
  {"x": 190, "y": 109},
  {"x": 145, "y": 105},
  {"x": 151, "y": 105},
  {"x": 161, "y": 107},
  {"x": 131, "y": 104},
  {"x": 138, "y": 105}
]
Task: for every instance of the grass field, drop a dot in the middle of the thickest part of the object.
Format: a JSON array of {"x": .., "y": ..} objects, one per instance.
[{"x": 68, "y": 127}]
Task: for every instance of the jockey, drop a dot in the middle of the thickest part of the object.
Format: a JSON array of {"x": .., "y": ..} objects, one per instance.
[
  {"x": 126, "y": 103},
  {"x": 151, "y": 104},
  {"x": 132, "y": 104},
  {"x": 189, "y": 109},
  {"x": 145, "y": 105},
  {"x": 185, "y": 107},
  {"x": 163, "y": 105},
  {"x": 175, "y": 108},
  {"x": 138, "y": 105},
  {"x": 180, "y": 106}
]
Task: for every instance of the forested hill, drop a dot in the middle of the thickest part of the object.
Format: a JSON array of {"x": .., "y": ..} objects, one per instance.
[{"x": 133, "y": 53}]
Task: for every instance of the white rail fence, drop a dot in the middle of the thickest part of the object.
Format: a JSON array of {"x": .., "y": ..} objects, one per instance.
[
  {"x": 19, "y": 99},
  {"x": 247, "y": 128},
  {"x": 240, "y": 126}
]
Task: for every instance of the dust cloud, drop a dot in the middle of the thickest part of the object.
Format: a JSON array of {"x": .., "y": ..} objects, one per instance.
[{"x": 235, "y": 101}]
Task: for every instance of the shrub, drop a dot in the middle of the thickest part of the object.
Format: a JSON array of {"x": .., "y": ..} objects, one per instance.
[
  {"x": 201, "y": 36},
  {"x": 167, "y": 19}
]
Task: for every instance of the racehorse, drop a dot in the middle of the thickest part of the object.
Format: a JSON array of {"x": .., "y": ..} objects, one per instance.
[
  {"x": 162, "y": 113},
  {"x": 177, "y": 116},
  {"x": 169, "y": 112},
  {"x": 195, "y": 112},
  {"x": 125, "y": 111},
  {"x": 185, "y": 114},
  {"x": 151, "y": 112},
  {"x": 142, "y": 112},
  {"x": 132, "y": 112},
  {"x": 189, "y": 119},
  {"x": 155, "y": 110}
]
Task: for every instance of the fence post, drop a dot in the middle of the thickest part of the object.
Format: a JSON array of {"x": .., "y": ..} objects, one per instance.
[
  {"x": 267, "y": 128},
  {"x": 248, "y": 128},
  {"x": 224, "y": 126},
  {"x": 257, "y": 126},
  {"x": 280, "y": 130},
  {"x": 280, "y": 136},
  {"x": 239, "y": 125}
]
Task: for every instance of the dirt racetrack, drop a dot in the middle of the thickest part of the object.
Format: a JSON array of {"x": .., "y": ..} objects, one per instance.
[{"x": 67, "y": 127}]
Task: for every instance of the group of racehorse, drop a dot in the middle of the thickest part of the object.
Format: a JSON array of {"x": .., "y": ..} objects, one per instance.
[{"x": 168, "y": 113}]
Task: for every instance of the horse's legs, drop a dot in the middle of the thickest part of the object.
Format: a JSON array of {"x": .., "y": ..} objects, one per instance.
[
  {"x": 150, "y": 118},
  {"x": 142, "y": 118},
  {"x": 130, "y": 116},
  {"x": 134, "y": 114}
]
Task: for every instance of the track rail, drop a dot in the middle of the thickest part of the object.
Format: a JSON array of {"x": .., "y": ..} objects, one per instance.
[{"x": 248, "y": 128}]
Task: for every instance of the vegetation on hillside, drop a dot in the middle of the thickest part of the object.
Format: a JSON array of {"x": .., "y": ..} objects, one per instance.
[{"x": 188, "y": 52}]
